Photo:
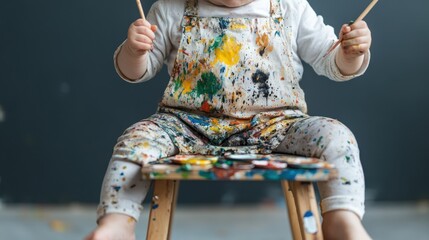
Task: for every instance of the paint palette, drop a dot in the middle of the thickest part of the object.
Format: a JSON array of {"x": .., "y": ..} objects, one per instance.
[
  {"x": 242, "y": 165},
  {"x": 194, "y": 159},
  {"x": 300, "y": 162},
  {"x": 245, "y": 157},
  {"x": 270, "y": 164}
]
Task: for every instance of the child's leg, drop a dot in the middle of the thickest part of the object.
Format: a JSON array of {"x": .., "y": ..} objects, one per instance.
[
  {"x": 330, "y": 140},
  {"x": 123, "y": 190}
]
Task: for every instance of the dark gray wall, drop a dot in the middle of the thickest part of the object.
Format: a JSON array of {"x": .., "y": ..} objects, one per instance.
[{"x": 62, "y": 106}]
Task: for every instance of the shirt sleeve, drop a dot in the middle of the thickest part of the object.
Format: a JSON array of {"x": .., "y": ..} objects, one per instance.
[
  {"x": 314, "y": 38},
  {"x": 158, "y": 16}
]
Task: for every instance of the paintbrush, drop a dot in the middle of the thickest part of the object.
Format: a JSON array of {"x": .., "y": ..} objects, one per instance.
[
  {"x": 139, "y": 5},
  {"x": 361, "y": 16}
]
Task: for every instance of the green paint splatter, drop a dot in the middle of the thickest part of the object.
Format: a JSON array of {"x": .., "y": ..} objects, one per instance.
[
  {"x": 208, "y": 85},
  {"x": 217, "y": 43},
  {"x": 345, "y": 181},
  {"x": 177, "y": 84},
  {"x": 206, "y": 174},
  {"x": 185, "y": 175},
  {"x": 185, "y": 167},
  {"x": 157, "y": 175},
  {"x": 347, "y": 159},
  {"x": 319, "y": 140}
]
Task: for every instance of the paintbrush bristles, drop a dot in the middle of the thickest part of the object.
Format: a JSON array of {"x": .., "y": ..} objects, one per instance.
[
  {"x": 139, "y": 5},
  {"x": 366, "y": 11}
]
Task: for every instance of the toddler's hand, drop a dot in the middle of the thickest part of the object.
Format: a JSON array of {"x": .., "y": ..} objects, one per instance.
[
  {"x": 356, "y": 39},
  {"x": 113, "y": 227},
  {"x": 141, "y": 35}
]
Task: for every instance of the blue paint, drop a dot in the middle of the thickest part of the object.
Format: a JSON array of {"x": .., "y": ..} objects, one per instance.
[
  {"x": 308, "y": 214},
  {"x": 116, "y": 188},
  {"x": 200, "y": 121},
  {"x": 311, "y": 172},
  {"x": 254, "y": 122},
  {"x": 207, "y": 174},
  {"x": 271, "y": 175},
  {"x": 292, "y": 174},
  {"x": 155, "y": 206},
  {"x": 289, "y": 174},
  {"x": 308, "y": 173},
  {"x": 223, "y": 23},
  {"x": 309, "y": 222},
  {"x": 222, "y": 69},
  {"x": 250, "y": 174}
]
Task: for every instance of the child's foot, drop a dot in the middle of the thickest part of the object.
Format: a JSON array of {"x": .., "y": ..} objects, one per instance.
[
  {"x": 343, "y": 225},
  {"x": 114, "y": 227}
]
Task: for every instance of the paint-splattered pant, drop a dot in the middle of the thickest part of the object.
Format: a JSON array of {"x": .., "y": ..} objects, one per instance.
[{"x": 123, "y": 190}]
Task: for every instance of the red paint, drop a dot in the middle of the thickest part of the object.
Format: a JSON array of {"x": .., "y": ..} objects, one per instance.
[{"x": 205, "y": 107}]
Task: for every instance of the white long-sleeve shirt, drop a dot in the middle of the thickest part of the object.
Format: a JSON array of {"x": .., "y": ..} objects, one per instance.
[{"x": 311, "y": 37}]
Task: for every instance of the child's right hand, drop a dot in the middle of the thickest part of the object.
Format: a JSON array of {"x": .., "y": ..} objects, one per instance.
[
  {"x": 113, "y": 227},
  {"x": 141, "y": 35}
]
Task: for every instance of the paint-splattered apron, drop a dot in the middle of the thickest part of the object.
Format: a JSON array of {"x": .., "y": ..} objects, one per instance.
[{"x": 233, "y": 87}]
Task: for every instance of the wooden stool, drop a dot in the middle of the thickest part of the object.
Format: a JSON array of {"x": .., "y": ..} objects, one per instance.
[{"x": 297, "y": 185}]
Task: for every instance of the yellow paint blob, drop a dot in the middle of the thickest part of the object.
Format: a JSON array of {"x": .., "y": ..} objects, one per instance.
[
  {"x": 187, "y": 85},
  {"x": 238, "y": 26},
  {"x": 229, "y": 52},
  {"x": 216, "y": 127},
  {"x": 146, "y": 144}
]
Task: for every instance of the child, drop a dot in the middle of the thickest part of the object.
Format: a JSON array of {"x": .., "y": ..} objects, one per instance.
[{"x": 235, "y": 67}]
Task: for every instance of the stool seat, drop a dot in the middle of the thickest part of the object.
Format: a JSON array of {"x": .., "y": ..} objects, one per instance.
[{"x": 296, "y": 182}]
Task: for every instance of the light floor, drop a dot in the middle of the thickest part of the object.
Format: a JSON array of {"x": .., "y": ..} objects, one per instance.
[{"x": 382, "y": 220}]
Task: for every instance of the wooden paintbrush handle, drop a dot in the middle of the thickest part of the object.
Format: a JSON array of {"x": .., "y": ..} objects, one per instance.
[
  {"x": 366, "y": 11},
  {"x": 139, "y": 5}
]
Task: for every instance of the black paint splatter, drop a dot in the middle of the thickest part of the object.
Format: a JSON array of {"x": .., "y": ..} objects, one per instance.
[
  {"x": 262, "y": 51},
  {"x": 260, "y": 79}
]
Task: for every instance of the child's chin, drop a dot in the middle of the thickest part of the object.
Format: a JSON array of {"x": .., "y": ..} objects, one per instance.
[{"x": 230, "y": 3}]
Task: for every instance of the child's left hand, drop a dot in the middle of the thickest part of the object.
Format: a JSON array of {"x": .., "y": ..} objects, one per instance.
[{"x": 356, "y": 39}]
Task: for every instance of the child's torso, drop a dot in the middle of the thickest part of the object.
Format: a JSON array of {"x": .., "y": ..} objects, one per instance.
[{"x": 236, "y": 67}]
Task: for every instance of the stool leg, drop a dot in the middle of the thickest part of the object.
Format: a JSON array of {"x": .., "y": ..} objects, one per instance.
[
  {"x": 293, "y": 215},
  {"x": 306, "y": 208},
  {"x": 162, "y": 209}
]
